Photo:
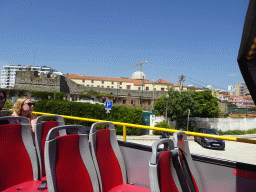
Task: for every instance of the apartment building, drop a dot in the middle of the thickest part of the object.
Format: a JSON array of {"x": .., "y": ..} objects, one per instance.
[
  {"x": 242, "y": 101},
  {"x": 241, "y": 89},
  {"x": 8, "y": 74}
]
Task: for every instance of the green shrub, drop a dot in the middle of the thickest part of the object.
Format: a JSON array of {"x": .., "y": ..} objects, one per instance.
[
  {"x": 8, "y": 105},
  {"x": 162, "y": 124},
  {"x": 92, "y": 111},
  {"x": 237, "y": 132}
]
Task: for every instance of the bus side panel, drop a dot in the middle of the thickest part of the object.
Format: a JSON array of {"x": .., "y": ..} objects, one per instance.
[
  {"x": 217, "y": 175},
  {"x": 223, "y": 175},
  {"x": 216, "y": 178},
  {"x": 136, "y": 162}
]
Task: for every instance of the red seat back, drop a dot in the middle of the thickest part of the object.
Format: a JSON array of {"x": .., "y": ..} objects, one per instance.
[
  {"x": 165, "y": 178},
  {"x": 192, "y": 176},
  {"x": 46, "y": 126},
  {"x": 41, "y": 130},
  {"x": 15, "y": 163},
  {"x": 68, "y": 161},
  {"x": 110, "y": 171},
  {"x": 71, "y": 173}
]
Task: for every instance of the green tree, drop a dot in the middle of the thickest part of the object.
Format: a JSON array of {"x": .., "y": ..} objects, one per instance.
[
  {"x": 201, "y": 104},
  {"x": 252, "y": 109},
  {"x": 207, "y": 104},
  {"x": 178, "y": 105},
  {"x": 162, "y": 124}
]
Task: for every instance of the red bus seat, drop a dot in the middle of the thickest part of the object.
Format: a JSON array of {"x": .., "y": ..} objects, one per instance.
[
  {"x": 41, "y": 131},
  {"x": 68, "y": 162},
  {"x": 18, "y": 159},
  {"x": 192, "y": 176},
  {"x": 162, "y": 174},
  {"x": 109, "y": 161}
]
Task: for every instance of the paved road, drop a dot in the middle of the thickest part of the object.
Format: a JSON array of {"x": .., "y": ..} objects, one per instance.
[{"x": 235, "y": 151}]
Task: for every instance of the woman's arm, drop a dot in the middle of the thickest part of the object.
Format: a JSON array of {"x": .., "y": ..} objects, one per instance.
[{"x": 32, "y": 122}]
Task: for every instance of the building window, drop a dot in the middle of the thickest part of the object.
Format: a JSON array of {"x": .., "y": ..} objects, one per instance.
[
  {"x": 120, "y": 87},
  {"x": 120, "y": 83},
  {"x": 147, "y": 88},
  {"x": 139, "y": 88},
  {"x": 83, "y": 80},
  {"x": 112, "y": 82},
  {"x": 128, "y": 86},
  {"x": 162, "y": 89},
  {"x": 107, "y": 86},
  {"x": 91, "y": 85},
  {"x": 98, "y": 86},
  {"x": 92, "y": 81},
  {"x": 102, "y": 86},
  {"x": 102, "y": 82},
  {"x": 124, "y": 101},
  {"x": 112, "y": 86},
  {"x": 149, "y": 102},
  {"x": 132, "y": 102},
  {"x": 87, "y": 85}
]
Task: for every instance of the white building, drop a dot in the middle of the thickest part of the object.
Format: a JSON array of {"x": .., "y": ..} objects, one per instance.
[
  {"x": 8, "y": 74},
  {"x": 210, "y": 87},
  {"x": 231, "y": 90}
]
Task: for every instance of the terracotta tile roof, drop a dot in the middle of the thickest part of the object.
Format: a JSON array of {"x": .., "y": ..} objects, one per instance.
[
  {"x": 134, "y": 81},
  {"x": 162, "y": 81},
  {"x": 178, "y": 84},
  {"x": 237, "y": 96}
]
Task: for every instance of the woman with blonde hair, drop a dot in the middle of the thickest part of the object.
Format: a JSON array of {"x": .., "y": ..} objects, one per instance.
[{"x": 24, "y": 108}]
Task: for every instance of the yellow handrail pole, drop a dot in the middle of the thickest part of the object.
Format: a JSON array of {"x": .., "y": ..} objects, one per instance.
[
  {"x": 124, "y": 133},
  {"x": 156, "y": 128}
]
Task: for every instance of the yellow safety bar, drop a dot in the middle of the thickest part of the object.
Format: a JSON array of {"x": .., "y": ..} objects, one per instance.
[{"x": 125, "y": 125}]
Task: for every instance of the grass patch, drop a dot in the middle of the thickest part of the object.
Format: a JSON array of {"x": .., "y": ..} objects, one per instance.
[
  {"x": 235, "y": 117},
  {"x": 237, "y": 132}
]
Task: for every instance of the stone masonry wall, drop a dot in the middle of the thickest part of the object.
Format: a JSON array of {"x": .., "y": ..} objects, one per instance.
[{"x": 30, "y": 80}]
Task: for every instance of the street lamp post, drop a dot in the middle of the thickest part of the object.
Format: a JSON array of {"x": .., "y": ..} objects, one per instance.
[
  {"x": 165, "y": 134},
  {"x": 117, "y": 92},
  {"x": 167, "y": 97},
  {"x": 142, "y": 92},
  {"x": 188, "y": 118}
]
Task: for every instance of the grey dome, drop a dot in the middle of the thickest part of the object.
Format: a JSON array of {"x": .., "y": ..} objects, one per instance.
[{"x": 138, "y": 75}]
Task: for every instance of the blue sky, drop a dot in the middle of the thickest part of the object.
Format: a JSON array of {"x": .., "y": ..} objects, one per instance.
[{"x": 197, "y": 38}]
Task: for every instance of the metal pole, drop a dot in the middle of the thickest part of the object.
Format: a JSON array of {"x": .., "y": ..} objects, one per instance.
[
  {"x": 55, "y": 88},
  {"x": 246, "y": 109},
  {"x": 167, "y": 97},
  {"x": 117, "y": 92},
  {"x": 153, "y": 95},
  {"x": 142, "y": 92},
  {"x": 188, "y": 118},
  {"x": 166, "y": 110},
  {"x": 124, "y": 133}
]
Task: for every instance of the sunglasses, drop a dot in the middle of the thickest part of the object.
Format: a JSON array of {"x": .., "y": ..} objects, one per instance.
[{"x": 30, "y": 104}]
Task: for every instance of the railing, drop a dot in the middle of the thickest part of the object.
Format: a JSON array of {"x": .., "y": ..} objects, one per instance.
[{"x": 125, "y": 125}]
